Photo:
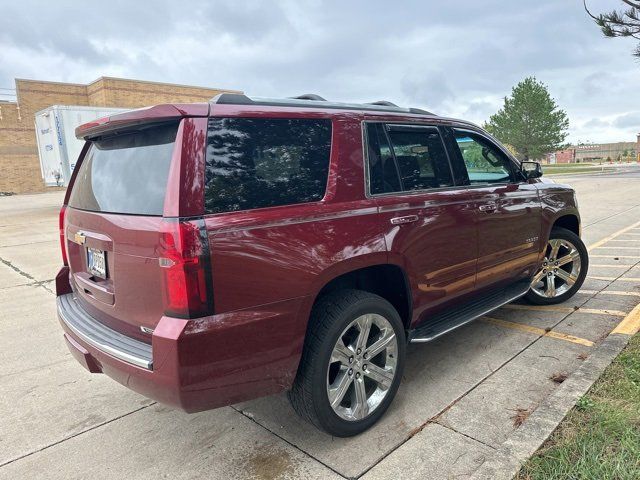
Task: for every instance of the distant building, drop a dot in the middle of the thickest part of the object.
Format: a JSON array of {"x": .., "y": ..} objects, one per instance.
[
  {"x": 602, "y": 152},
  {"x": 19, "y": 162}
]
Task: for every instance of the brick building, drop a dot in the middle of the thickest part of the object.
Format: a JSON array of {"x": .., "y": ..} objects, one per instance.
[
  {"x": 603, "y": 152},
  {"x": 19, "y": 162}
]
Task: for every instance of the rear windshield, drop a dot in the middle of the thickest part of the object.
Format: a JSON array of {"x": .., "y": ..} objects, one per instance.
[
  {"x": 265, "y": 162},
  {"x": 126, "y": 173}
]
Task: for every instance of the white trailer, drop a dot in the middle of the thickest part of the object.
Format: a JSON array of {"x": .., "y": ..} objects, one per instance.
[{"x": 58, "y": 147}]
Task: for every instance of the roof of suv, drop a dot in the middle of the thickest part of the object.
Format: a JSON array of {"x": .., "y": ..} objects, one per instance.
[
  {"x": 312, "y": 100},
  {"x": 167, "y": 112},
  {"x": 315, "y": 102}
]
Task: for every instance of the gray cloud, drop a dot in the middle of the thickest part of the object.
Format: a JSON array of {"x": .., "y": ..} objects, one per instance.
[
  {"x": 458, "y": 59},
  {"x": 597, "y": 123},
  {"x": 628, "y": 120}
]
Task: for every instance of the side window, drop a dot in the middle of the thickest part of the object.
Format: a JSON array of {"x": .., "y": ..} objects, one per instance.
[
  {"x": 383, "y": 175},
  {"x": 264, "y": 162},
  {"x": 484, "y": 162},
  {"x": 415, "y": 160},
  {"x": 421, "y": 158}
]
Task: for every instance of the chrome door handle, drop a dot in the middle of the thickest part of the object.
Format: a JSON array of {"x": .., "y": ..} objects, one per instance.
[
  {"x": 488, "y": 208},
  {"x": 403, "y": 220}
]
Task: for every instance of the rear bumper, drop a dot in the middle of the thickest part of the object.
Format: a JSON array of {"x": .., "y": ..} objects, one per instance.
[
  {"x": 193, "y": 365},
  {"x": 101, "y": 337}
]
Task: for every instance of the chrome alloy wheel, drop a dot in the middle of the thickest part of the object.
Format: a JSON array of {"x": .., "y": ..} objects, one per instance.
[
  {"x": 559, "y": 271},
  {"x": 362, "y": 367}
]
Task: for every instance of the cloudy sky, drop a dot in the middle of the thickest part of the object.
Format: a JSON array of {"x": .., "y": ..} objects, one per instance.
[{"x": 456, "y": 58}]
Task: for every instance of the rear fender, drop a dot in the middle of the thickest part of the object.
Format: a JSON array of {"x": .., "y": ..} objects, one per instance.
[{"x": 334, "y": 271}]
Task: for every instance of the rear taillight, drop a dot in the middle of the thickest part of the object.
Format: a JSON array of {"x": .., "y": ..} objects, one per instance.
[
  {"x": 186, "y": 269},
  {"x": 63, "y": 243}
]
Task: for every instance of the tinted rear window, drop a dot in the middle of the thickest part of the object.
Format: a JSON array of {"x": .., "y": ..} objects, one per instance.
[
  {"x": 126, "y": 173},
  {"x": 258, "y": 162}
]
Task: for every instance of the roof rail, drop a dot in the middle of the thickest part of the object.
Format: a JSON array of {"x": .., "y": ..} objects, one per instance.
[
  {"x": 309, "y": 101},
  {"x": 310, "y": 96},
  {"x": 420, "y": 111},
  {"x": 383, "y": 103}
]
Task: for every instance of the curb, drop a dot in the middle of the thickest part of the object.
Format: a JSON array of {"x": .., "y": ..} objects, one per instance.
[{"x": 526, "y": 440}]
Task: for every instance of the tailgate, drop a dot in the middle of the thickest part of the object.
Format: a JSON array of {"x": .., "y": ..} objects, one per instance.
[{"x": 113, "y": 227}]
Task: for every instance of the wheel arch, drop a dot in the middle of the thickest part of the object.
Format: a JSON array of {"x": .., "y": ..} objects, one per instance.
[
  {"x": 388, "y": 280},
  {"x": 568, "y": 221},
  {"x": 568, "y": 218}
]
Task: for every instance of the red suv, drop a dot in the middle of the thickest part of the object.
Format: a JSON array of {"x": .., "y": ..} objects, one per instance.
[{"x": 214, "y": 253}]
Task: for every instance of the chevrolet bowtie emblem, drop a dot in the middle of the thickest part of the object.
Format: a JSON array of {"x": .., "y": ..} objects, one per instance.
[{"x": 79, "y": 238}]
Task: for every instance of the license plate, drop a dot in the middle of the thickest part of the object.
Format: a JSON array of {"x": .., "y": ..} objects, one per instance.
[{"x": 96, "y": 262}]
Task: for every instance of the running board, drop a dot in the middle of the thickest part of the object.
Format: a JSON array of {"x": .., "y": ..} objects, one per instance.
[{"x": 456, "y": 317}]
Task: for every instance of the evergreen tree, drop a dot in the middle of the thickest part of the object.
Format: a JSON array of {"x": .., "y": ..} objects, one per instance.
[
  {"x": 530, "y": 121},
  {"x": 624, "y": 23}
]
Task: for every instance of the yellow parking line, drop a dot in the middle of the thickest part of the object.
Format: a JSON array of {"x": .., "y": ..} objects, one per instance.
[
  {"x": 538, "y": 331},
  {"x": 555, "y": 308},
  {"x": 631, "y": 323},
  {"x": 618, "y": 248},
  {"x": 612, "y": 236},
  {"x": 615, "y": 256},
  {"x": 611, "y": 292},
  {"x": 625, "y": 239}
]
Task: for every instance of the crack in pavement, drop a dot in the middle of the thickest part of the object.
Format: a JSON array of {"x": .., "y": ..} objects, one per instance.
[
  {"x": 34, "y": 281},
  {"x": 39, "y": 283},
  {"x": 444, "y": 425},
  {"x": 16, "y": 269},
  {"x": 250, "y": 417},
  {"x": 46, "y": 447}
]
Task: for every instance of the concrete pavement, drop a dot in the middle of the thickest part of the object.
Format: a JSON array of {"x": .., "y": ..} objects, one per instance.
[{"x": 461, "y": 399}]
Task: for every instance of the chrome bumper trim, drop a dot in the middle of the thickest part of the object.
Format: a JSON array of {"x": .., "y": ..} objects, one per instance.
[{"x": 100, "y": 336}]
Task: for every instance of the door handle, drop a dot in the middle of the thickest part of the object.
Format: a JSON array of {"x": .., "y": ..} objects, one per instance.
[
  {"x": 403, "y": 220},
  {"x": 488, "y": 208}
]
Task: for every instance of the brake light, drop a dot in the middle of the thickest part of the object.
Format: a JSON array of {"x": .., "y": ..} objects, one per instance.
[
  {"x": 61, "y": 225},
  {"x": 186, "y": 269}
]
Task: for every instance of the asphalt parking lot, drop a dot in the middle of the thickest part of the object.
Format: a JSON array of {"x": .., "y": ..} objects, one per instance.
[{"x": 461, "y": 398}]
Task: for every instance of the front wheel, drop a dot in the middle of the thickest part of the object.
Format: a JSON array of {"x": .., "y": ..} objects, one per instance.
[
  {"x": 352, "y": 362},
  {"x": 563, "y": 269}
]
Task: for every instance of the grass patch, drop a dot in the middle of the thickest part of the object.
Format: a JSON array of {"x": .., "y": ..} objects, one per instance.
[
  {"x": 570, "y": 165},
  {"x": 573, "y": 168},
  {"x": 600, "y": 438}
]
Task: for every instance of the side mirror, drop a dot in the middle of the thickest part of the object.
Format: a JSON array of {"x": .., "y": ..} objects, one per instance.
[{"x": 531, "y": 170}]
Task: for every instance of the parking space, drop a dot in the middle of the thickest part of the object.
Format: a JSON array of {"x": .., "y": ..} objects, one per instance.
[{"x": 461, "y": 397}]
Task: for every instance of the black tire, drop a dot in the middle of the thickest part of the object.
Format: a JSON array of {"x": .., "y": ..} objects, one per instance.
[
  {"x": 564, "y": 234},
  {"x": 331, "y": 315}
]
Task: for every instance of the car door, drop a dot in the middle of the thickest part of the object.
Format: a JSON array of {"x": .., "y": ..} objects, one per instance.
[
  {"x": 508, "y": 208},
  {"x": 429, "y": 225}
]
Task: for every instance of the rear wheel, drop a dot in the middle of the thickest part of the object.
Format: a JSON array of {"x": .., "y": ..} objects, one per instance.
[
  {"x": 352, "y": 362},
  {"x": 563, "y": 269}
]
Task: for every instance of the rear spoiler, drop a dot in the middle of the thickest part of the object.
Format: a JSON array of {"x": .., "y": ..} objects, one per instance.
[{"x": 127, "y": 120}]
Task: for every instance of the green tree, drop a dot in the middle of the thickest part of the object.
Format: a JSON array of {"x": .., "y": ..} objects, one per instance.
[
  {"x": 530, "y": 121},
  {"x": 623, "y": 23}
]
